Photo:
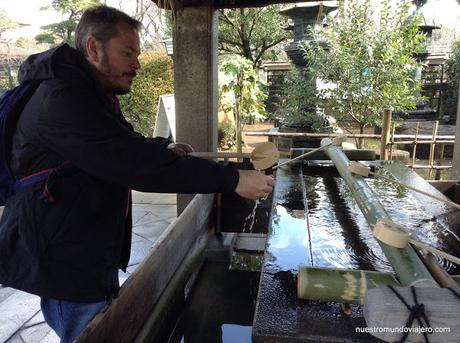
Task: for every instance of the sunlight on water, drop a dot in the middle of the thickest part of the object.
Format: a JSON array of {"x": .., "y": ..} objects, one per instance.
[{"x": 289, "y": 245}]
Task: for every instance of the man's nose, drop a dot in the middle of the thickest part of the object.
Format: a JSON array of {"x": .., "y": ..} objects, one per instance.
[{"x": 136, "y": 65}]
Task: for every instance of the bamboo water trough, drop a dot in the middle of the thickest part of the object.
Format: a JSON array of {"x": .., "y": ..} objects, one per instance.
[{"x": 381, "y": 307}]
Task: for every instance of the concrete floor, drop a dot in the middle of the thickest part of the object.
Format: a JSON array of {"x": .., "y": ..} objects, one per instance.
[{"x": 21, "y": 320}]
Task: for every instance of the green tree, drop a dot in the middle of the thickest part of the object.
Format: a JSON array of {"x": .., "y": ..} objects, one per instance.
[
  {"x": 154, "y": 79},
  {"x": 26, "y": 43},
  {"x": 251, "y": 32},
  {"x": 63, "y": 31},
  {"x": 453, "y": 82},
  {"x": 6, "y": 23},
  {"x": 369, "y": 61},
  {"x": 248, "y": 92}
]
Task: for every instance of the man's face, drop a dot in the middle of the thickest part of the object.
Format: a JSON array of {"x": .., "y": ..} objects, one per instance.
[{"x": 118, "y": 60}]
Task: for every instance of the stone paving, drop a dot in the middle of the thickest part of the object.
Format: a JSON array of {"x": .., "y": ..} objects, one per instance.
[{"x": 21, "y": 320}]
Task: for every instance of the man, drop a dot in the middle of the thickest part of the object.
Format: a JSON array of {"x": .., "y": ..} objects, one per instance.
[{"x": 65, "y": 238}]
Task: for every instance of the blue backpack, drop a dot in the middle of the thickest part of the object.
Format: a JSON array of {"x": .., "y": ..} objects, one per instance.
[{"x": 12, "y": 104}]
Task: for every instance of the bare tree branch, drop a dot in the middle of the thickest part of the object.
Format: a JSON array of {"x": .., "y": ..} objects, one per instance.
[
  {"x": 227, "y": 41},
  {"x": 254, "y": 21},
  {"x": 227, "y": 19},
  {"x": 265, "y": 48}
]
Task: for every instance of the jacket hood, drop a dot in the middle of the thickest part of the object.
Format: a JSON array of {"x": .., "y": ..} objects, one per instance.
[{"x": 59, "y": 62}]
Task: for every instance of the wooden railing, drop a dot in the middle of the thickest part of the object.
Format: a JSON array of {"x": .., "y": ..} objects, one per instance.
[{"x": 387, "y": 143}]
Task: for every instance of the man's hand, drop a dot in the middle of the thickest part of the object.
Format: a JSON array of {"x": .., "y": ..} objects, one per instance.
[
  {"x": 181, "y": 149},
  {"x": 254, "y": 185}
]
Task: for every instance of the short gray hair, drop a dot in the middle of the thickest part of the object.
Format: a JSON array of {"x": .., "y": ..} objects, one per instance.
[{"x": 101, "y": 23}]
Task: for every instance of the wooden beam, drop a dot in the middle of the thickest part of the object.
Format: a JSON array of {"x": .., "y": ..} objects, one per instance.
[
  {"x": 352, "y": 155},
  {"x": 140, "y": 294},
  {"x": 426, "y": 138},
  {"x": 176, "y": 4},
  {"x": 174, "y": 296},
  {"x": 252, "y": 3}
]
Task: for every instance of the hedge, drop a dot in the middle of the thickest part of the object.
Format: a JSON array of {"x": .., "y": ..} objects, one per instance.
[{"x": 153, "y": 79}]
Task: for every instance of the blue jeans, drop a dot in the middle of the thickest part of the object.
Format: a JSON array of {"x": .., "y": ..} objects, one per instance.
[{"x": 68, "y": 319}]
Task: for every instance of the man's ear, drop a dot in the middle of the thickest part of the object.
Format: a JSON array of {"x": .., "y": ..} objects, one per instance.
[{"x": 93, "y": 49}]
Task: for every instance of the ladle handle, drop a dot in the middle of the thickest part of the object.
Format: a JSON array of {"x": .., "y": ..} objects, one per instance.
[
  {"x": 451, "y": 203},
  {"x": 429, "y": 248},
  {"x": 212, "y": 155},
  {"x": 301, "y": 156}
]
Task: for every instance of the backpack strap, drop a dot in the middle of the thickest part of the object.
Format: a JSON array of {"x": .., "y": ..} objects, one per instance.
[{"x": 46, "y": 175}]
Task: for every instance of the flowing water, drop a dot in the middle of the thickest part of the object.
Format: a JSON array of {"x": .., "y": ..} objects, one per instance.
[
  {"x": 251, "y": 218},
  {"x": 335, "y": 233}
]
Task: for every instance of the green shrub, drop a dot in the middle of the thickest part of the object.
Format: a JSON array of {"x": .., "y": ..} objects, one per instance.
[
  {"x": 4, "y": 85},
  {"x": 298, "y": 102},
  {"x": 154, "y": 79},
  {"x": 226, "y": 135}
]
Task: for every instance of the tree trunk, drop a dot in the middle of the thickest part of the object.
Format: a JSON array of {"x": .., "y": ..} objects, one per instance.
[
  {"x": 69, "y": 36},
  {"x": 361, "y": 140},
  {"x": 245, "y": 38},
  {"x": 238, "y": 103}
]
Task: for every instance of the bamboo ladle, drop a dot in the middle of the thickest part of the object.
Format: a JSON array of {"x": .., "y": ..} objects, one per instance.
[
  {"x": 360, "y": 169},
  {"x": 336, "y": 141},
  {"x": 266, "y": 155},
  {"x": 391, "y": 233},
  {"x": 263, "y": 156}
]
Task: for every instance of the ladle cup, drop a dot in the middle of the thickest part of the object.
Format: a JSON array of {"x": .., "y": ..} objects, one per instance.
[
  {"x": 264, "y": 155},
  {"x": 395, "y": 235}
]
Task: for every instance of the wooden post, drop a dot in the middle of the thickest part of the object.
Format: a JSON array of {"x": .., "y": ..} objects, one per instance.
[
  {"x": 195, "y": 79},
  {"x": 414, "y": 149},
  {"x": 386, "y": 127},
  {"x": 456, "y": 158},
  {"x": 432, "y": 147},
  {"x": 392, "y": 143},
  {"x": 441, "y": 82},
  {"x": 440, "y": 160}
]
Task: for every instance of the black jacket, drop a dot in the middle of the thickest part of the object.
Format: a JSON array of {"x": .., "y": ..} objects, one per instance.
[{"x": 71, "y": 249}]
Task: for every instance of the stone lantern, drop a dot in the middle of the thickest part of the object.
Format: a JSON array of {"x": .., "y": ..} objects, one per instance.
[
  {"x": 427, "y": 26},
  {"x": 303, "y": 19}
]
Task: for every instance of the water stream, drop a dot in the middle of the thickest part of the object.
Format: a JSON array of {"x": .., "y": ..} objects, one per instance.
[{"x": 251, "y": 217}]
